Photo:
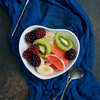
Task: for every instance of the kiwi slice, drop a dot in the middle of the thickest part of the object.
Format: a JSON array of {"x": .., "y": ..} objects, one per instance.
[
  {"x": 63, "y": 42},
  {"x": 45, "y": 47}
]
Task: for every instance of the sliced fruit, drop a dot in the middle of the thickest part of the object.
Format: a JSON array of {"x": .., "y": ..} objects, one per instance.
[
  {"x": 48, "y": 63},
  {"x": 63, "y": 42},
  {"x": 53, "y": 66},
  {"x": 45, "y": 47},
  {"x": 60, "y": 53},
  {"x": 49, "y": 37},
  {"x": 45, "y": 60},
  {"x": 42, "y": 61},
  {"x": 44, "y": 70},
  {"x": 55, "y": 60}
]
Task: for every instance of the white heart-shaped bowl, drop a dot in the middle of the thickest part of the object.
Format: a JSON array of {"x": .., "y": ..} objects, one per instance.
[{"x": 23, "y": 45}]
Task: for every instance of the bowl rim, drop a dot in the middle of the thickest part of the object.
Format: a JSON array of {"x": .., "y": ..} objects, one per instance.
[{"x": 50, "y": 29}]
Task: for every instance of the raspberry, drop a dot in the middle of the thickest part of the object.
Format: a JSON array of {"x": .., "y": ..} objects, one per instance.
[
  {"x": 27, "y": 54},
  {"x": 40, "y": 33},
  {"x": 71, "y": 54},
  {"x": 30, "y": 37},
  {"x": 35, "y": 60},
  {"x": 35, "y": 49}
]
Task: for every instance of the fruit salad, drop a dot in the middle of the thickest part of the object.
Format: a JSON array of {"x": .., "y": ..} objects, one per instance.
[{"x": 48, "y": 51}]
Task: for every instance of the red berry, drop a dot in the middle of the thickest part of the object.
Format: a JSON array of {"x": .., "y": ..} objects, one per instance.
[
  {"x": 70, "y": 54},
  {"x": 40, "y": 33},
  {"x": 34, "y": 49},
  {"x": 30, "y": 37},
  {"x": 27, "y": 54}
]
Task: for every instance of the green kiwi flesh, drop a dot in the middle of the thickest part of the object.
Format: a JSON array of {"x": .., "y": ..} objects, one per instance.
[
  {"x": 45, "y": 47},
  {"x": 63, "y": 42}
]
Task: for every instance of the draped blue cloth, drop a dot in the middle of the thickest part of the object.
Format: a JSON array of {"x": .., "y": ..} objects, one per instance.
[{"x": 62, "y": 14}]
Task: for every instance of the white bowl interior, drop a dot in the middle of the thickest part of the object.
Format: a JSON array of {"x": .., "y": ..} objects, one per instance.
[{"x": 23, "y": 46}]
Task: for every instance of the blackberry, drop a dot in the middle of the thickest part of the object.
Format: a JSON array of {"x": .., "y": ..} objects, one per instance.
[
  {"x": 40, "y": 33},
  {"x": 71, "y": 54},
  {"x": 35, "y": 60},
  {"x": 30, "y": 37},
  {"x": 35, "y": 49},
  {"x": 27, "y": 54}
]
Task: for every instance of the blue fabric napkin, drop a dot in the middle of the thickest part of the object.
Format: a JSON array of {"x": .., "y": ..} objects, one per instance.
[{"x": 63, "y": 14}]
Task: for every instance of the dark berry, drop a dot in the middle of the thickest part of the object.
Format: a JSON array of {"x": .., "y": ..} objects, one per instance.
[
  {"x": 27, "y": 54},
  {"x": 35, "y": 49},
  {"x": 35, "y": 60},
  {"x": 40, "y": 33},
  {"x": 30, "y": 37},
  {"x": 71, "y": 54}
]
